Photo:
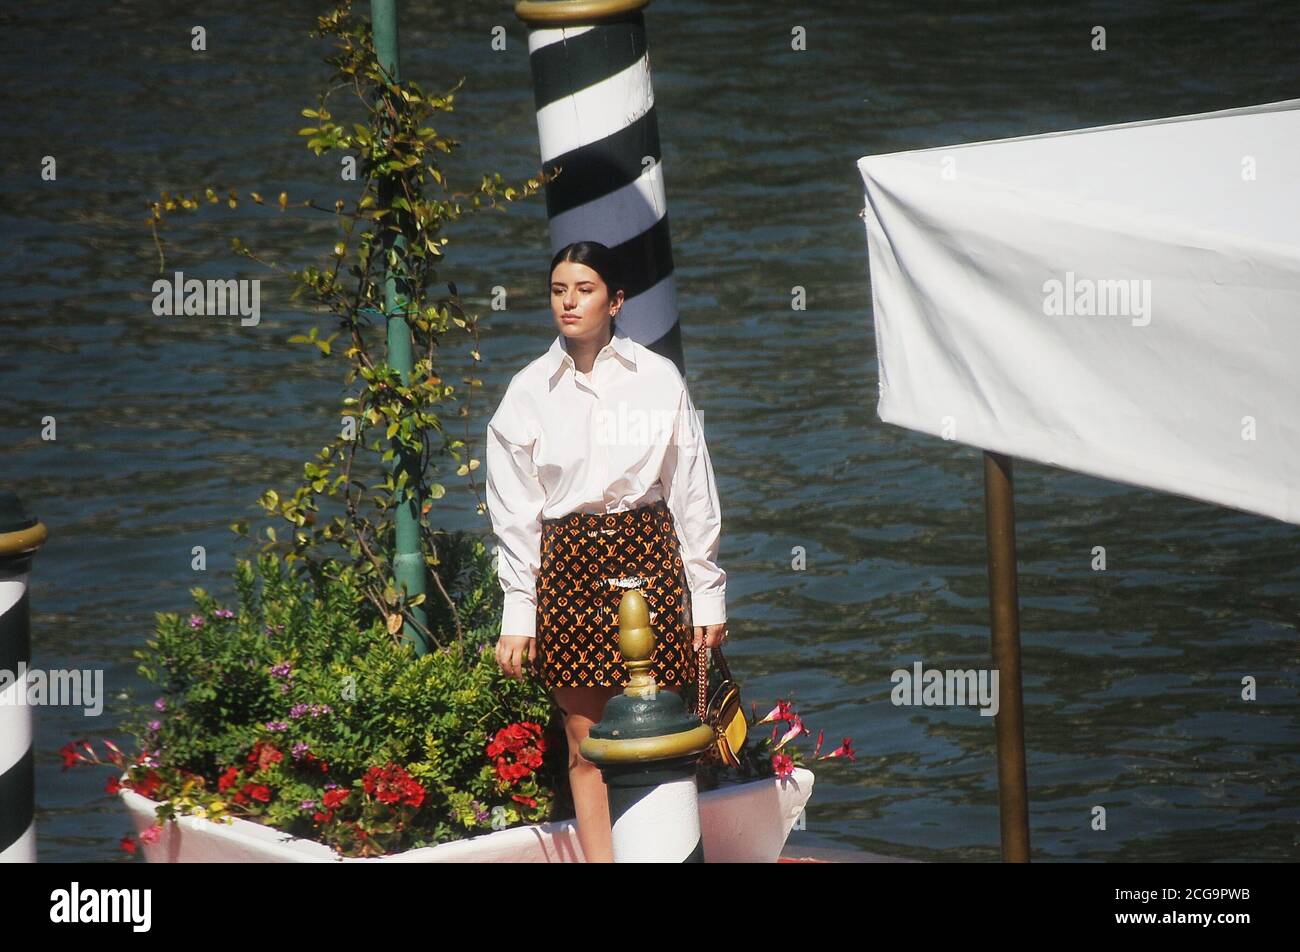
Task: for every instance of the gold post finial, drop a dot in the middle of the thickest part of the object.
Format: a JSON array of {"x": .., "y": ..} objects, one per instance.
[{"x": 636, "y": 642}]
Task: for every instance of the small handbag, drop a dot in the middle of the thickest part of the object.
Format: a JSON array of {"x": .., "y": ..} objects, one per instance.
[{"x": 723, "y": 712}]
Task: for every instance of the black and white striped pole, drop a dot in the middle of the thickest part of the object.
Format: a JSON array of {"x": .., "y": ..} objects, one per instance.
[
  {"x": 647, "y": 745},
  {"x": 596, "y": 121},
  {"x": 20, "y": 537}
]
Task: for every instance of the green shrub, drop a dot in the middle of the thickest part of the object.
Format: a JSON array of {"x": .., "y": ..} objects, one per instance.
[{"x": 276, "y": 708}]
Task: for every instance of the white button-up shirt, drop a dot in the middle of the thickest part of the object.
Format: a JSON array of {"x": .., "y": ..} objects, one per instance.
[{"x": 624, "y": 436}]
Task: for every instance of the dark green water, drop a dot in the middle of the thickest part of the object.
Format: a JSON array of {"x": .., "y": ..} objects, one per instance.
[{"x": 169, "y": 427}]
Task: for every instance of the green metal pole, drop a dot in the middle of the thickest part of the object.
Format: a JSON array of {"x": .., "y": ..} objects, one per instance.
[
  {"x": 1004, "y": 619},
  {"x": 408, "y": 560}
]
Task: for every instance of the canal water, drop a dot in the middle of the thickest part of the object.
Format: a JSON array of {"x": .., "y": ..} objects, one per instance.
[{"x": 169, "y": 428}]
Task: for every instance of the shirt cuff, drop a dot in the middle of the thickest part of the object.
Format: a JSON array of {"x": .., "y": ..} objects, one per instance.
[
  {"x": 708, "y": 608},
  {"x": 519, "y": 617}
]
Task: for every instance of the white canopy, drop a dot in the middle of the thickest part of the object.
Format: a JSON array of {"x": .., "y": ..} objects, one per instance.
[{"x": 1122, "y": 301}]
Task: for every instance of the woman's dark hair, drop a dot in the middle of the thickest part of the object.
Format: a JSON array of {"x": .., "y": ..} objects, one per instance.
[{"x": 598, "y": 258}]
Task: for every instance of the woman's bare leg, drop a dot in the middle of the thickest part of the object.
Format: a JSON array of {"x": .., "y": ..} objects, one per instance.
[{"x": 582, "y": 708}]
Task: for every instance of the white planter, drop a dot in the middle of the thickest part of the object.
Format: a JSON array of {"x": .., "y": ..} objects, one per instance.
[{"x": 740, "y": 823}]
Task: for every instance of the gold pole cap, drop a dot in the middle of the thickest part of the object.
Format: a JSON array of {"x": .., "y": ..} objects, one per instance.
[
  {"x": 19, "y": 532},
  {"x": 573, "y": 12}
]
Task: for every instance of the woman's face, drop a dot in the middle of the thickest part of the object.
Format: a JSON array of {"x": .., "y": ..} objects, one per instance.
[{"x": 580, "y": 302}]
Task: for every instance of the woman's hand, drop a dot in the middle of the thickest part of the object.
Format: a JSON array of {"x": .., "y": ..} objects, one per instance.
[
  {"x": 710, "y": 636},
  {"x": 512, "y": 650}
]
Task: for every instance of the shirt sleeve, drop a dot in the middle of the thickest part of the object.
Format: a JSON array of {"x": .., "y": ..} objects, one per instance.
[
  {"x": 515, "y": 497},
  {"x": 692, "y": 496}
]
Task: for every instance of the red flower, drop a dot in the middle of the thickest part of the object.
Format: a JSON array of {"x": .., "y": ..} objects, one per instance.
[
  {"x": 263, "y": 755},
  {"x": 527, "y": 801},
  {"x": 392, "y": 784},
  {"x": 323, "y": 817},
  {"x": 70, "y": 756},
  {"x": 782, "y": 764},
  {"x": 334, "y": 799},
  {"x": 509, "y": 773},
  {"x": 517, "y": 737},
  {"x": 526, "y": 742},
  {"x": 147, "y": 786},
  {"x": 113, "y": 785},
  {"x": 258, "y": 791},
  {"x": 128, "y": 844},
  {"x": 228, "y": 779}
]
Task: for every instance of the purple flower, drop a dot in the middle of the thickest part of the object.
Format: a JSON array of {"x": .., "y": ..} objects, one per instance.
[
  {"x": 308, "y": 805},
  {"x": 298, "y": 710},
  {"x": 282, "y": 670},
  {"x": 196, "y": 621},
  {"x": 155, "y": 725},
  {"x": 299, "y": 749},
  {"x": 318, "y": 709},
  {"x": 224, "y": 613},
  {"x": 277, "y": 726},
  {"x": 160, "y": 704},
  {"x": 331, "y": 785}
]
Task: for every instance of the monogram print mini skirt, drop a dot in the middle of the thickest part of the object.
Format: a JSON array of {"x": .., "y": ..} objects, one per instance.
[{"x": 588, "y": 560}]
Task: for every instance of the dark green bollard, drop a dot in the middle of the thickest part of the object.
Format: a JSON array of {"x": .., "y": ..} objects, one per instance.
[{"x": 647, "y": 745}]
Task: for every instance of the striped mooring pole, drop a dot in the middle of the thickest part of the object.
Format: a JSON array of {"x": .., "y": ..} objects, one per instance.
[
  {"x": 596, "y": 121},
  {"x": 20, "y": 537},
  {"x": 647, "y": 745}
]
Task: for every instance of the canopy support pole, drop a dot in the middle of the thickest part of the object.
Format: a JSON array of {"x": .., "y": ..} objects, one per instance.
[{"x": 1004, "y": 624}]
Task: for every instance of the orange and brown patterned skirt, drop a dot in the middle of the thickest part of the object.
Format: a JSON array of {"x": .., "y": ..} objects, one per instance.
[{"x": 588, "y": 560}]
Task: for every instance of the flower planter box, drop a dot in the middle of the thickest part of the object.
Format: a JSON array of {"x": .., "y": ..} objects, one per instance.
[{"x": 741, "y": 823}]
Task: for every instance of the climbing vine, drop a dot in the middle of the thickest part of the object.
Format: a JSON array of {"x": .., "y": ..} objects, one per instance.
[{"x": 395, "y": 223}]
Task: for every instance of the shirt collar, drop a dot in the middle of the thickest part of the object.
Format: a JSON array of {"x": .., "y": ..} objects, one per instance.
[{"x": 558, "y": 355}]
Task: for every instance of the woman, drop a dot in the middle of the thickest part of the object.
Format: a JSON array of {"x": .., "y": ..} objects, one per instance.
[{"x": 599, "y": 480}]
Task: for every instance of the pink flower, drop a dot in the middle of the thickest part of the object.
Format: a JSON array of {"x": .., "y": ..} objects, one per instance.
[
  {"x": 782, "y": 765},
  {"x": 844, "y": 750},
  {"x": 196, "y": 621},
  {"x": 795, "y": 730},
  {"x": 781, "y": 712},
  {"x": 151, "y": 835}
]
